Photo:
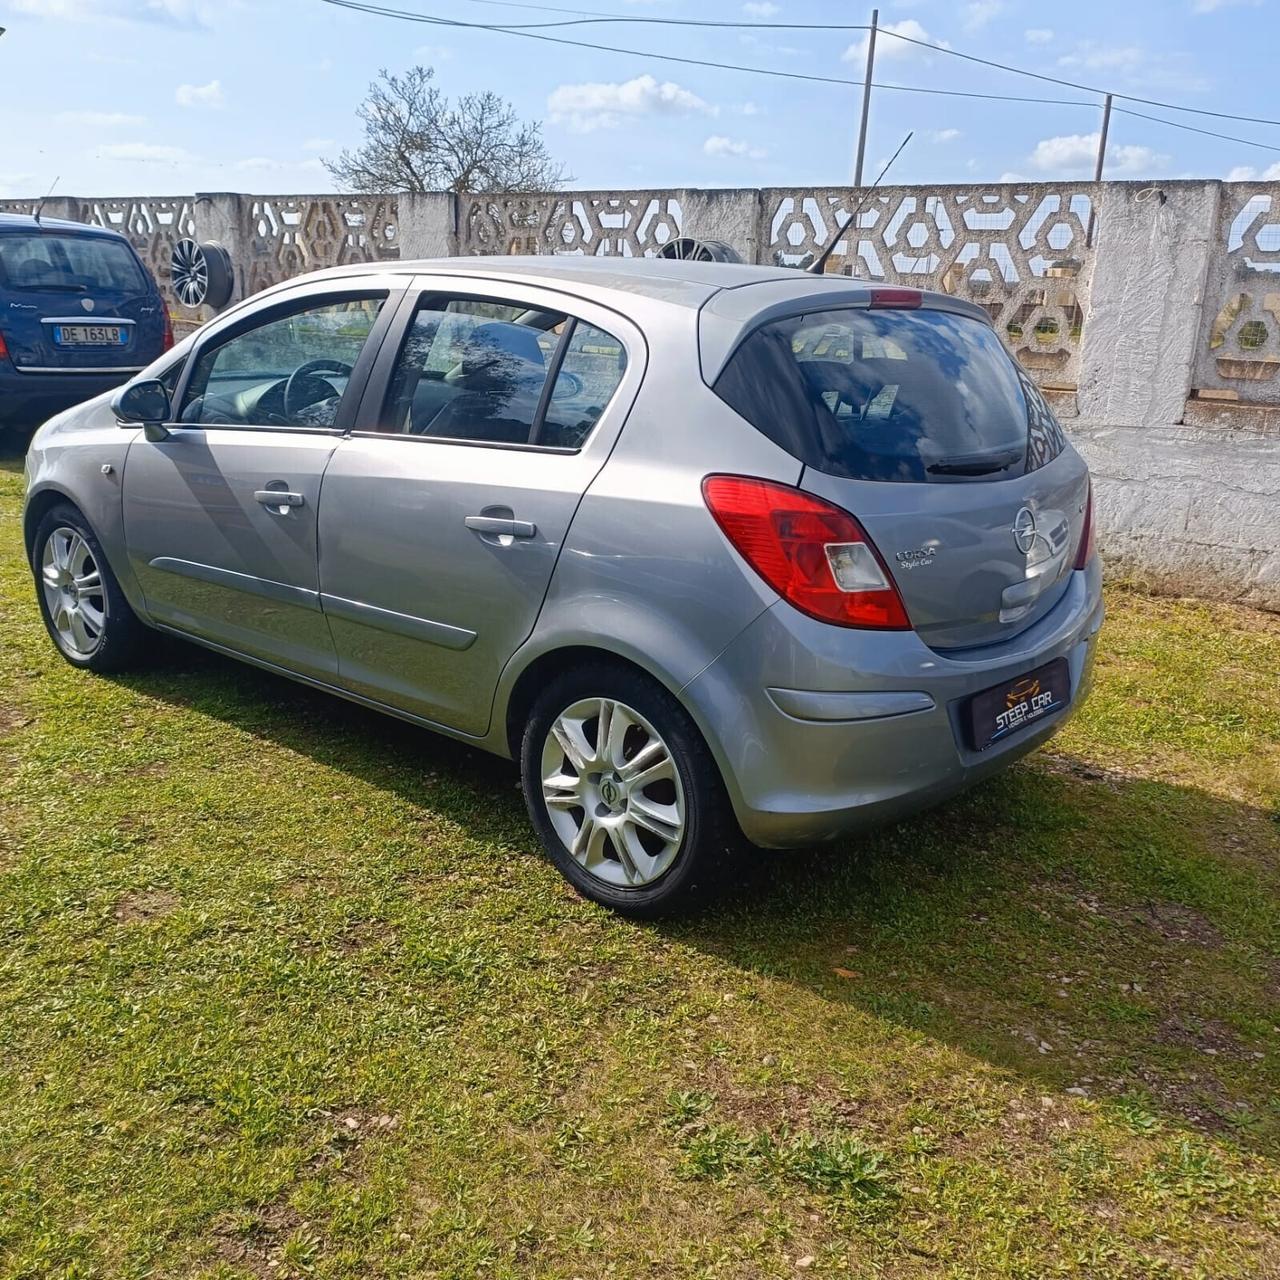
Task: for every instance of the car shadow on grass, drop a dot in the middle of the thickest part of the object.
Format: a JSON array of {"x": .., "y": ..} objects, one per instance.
[{"x": 1085, "y": 930}]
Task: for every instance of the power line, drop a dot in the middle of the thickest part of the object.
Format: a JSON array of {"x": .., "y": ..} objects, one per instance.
[
  {"x": 1073, "y": 84},
  {"x": 361, "y": 6},
  {"x": 1188, "y": 128},
  {"x": 587, "y": 17}
]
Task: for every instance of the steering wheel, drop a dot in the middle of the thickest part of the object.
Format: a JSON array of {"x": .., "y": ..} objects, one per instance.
[{"x": 309, "y": 370}]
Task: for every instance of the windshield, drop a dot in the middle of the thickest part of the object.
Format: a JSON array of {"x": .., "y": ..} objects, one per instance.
[
  {"x": 905, "y": 395},
  {"x": 48, "y": 261}
]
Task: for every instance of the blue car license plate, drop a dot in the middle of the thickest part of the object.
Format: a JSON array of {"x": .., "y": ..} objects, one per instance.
[
  {"x": 999, "y": 713},
  {"x": 90, "y": 335}
]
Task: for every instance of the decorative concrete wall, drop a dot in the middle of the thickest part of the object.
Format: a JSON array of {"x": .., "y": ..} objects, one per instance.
[{"x": 1149, "y": 313}]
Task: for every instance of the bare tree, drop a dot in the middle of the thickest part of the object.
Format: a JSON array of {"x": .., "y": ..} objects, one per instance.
[{"x": 416, "y": 140}]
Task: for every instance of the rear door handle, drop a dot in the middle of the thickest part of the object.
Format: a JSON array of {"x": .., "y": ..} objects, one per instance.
[
  {"x": 278, "y": 498},
  {"x": 500, "y": 525}
]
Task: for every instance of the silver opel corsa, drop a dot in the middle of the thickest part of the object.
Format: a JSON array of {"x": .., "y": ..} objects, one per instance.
[{"x": 714, "y": 551}]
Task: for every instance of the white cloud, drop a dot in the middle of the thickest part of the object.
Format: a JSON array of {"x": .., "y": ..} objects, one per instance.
[
  {"x": 599, "y": 105},
  {"x": 760, "y": 9},
  {"x": 1038, "y": 35},
  {"x": 719, "y": 145},
  {"x": 891, "y": 48},
  {"x": 945, "y": 135},
  {"x": 1075, "y": 154},
  {"x": 1011, "y": 177},
  {"x": 199, "y": 95},
  {"x": 749, "y": 109},
  {"x": 977, "y": 13},
  {"x": 98, "y": 119},
  {"x": 319, "y": 144},
  {"x": 146, "y": 153},
  {"x": 1247, "y": 173},
  {"x": 1139, "y": 66}
]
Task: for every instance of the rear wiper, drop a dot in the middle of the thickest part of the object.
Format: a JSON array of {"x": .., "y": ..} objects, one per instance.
[{"x": 975, "y": 464}]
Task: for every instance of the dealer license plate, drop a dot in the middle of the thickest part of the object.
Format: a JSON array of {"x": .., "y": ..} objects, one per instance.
[{"x": 999, "y": 713}]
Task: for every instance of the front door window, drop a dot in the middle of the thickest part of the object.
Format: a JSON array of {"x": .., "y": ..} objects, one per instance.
[{"x": 289, "y": 372}]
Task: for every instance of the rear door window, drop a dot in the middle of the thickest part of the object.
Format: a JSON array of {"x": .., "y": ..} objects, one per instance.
[
  {"x": 41, "y": 261},
  {"x": 897, "y": 395}
]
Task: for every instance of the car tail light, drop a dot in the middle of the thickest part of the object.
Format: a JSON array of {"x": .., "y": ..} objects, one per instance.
[
  {"x": 4, "y": 350},
  {"x": 903, "y": 299},
  {"x": 167, "y": 341},
  {"x": 1088, "y": 539},
  {"x": 815, "y": 555}
]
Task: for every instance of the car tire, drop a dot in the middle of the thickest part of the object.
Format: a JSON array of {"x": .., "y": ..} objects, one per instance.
[
  {"x": 639, "y": 823},
  {"x": 83, "y": 607}
]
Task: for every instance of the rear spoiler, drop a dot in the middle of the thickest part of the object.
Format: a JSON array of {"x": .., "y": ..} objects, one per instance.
[{"x": 729, "y": 315}]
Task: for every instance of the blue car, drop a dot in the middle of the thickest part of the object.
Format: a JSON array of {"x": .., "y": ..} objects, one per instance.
[{"x": 79, "y": 314}]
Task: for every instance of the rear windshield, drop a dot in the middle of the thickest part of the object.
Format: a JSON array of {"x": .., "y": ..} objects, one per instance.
[
  {"x": 901, "y": 395},
  {"x": 49, "y": 262}
]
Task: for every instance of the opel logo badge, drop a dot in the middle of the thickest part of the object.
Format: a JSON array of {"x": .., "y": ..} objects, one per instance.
[
  {"x": 610, "y": 793},
  {"x": 87, "y": 303},
  {"x": 1025, "y": 531}
]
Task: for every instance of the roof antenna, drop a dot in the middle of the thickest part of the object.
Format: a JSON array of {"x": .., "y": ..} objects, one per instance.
[
  {"x": 40, "y": 207},
  {"x": 817, "y": 264}
]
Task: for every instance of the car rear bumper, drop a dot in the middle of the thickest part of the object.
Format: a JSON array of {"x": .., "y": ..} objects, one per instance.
[
  {"x": 27, "y": 396},
  {"x": 819, "y": 730}
]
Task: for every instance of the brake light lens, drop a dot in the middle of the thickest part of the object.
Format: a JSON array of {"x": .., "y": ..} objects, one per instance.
[
  {"x": 1088, "y": 539},
  {"x": 167, "y": 341},
  {"x": 815, "y": 555},
  {"x": 901, "y": 299},
  {"x": 4, "y": 350}
]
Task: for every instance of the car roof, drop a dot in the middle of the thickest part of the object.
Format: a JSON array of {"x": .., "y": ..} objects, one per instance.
[
  {"x": 681, "y": 282},
  {"x": 28, "y": 222}
]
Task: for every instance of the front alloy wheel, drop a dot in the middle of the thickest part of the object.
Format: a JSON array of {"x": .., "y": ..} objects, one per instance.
[
  {"x": 612, "y": 792},
  {"x": 81, "y": 602},
  {"x": 74, "y": 593}
]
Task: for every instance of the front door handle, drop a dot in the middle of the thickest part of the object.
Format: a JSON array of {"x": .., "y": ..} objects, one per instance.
[
  {"x": 278, "y": 498},
  {"x": 500, "y": 525}
]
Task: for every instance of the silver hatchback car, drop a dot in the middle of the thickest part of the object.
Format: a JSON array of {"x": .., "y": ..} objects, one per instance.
[{"x": 714, "y": 551}]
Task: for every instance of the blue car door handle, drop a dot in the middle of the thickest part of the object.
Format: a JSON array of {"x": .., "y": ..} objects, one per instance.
[{"x": 500, "y": 525}]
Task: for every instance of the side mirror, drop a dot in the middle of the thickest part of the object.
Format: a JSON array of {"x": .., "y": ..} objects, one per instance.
[{"x": 144, "y": 402}]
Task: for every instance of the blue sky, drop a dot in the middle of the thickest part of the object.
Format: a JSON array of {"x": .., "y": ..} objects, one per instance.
[{"x": 118, "y": 97}]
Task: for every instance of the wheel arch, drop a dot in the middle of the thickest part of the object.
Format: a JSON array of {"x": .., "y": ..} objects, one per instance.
[
  {"x": 38, "y": 505},
  {"x": 549, "y": 664}
]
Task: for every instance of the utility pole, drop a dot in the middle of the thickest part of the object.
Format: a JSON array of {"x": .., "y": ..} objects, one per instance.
[
  {"x": 1102, "y": 139},
  {"x": 1098, "y": 167},
  {"x": 866, "y": 98}
]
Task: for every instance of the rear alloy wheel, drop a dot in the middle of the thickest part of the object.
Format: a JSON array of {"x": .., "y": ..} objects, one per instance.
[
  {"x": 83, "y": 607},
  {"x": 612, "y": 792},
  {"x": 624, "y": 792}
]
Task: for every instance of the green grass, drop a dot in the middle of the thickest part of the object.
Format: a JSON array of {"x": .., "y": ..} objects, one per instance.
[{"x": 285, "y": 990}]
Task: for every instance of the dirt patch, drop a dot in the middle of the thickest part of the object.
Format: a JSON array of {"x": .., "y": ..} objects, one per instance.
[
  {"x": 12, "y": 719},
  {"x": 347, "y": 1128},
  {"x": 364, "y": 933},
  {"x": 1176, "y": 923},
  {"x": 1205, "y": 1035},
  {"x": 257, "y": 1241},
  {"x": 145, "y": 904}
]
